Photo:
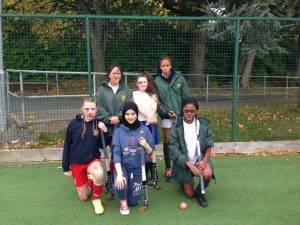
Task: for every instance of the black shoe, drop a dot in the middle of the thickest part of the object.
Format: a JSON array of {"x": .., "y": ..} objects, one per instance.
[
  {"x": 201, "y": 198},
  {"x": 202, "y": 201},
  {"x": 151, "y": 180},
  {"x": 168, "y": 176}
]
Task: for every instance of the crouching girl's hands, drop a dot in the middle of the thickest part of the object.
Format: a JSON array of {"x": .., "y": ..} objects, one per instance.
[{"x": 102, "y": 126}]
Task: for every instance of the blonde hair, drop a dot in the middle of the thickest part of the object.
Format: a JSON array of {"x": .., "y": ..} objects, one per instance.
[{"x": 89, "y": 99}]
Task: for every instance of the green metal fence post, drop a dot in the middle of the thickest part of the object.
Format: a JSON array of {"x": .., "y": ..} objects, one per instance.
[
  {"x": 235, "y": 78},
  {"x": 88, "y": 52}
]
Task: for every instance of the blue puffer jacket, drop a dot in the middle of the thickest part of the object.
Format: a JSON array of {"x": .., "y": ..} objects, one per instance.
[{"x": 126, "y": 147}]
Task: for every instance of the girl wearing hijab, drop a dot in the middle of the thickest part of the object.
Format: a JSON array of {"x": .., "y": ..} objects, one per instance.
[{"x": 128, "y": 141}]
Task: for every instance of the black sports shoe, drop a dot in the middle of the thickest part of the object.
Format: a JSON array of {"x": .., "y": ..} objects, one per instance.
[
  {"x": 201, "y": 197},
  {"x": 150, "y": 181},
  {"x": 168, "y": 176},
  {"x": 202, "y": 201}
]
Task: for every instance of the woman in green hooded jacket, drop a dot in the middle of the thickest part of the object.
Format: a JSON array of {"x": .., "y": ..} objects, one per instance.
[
  {"x": 172, "y": 88},
  {"x": 183, "y": 150}
]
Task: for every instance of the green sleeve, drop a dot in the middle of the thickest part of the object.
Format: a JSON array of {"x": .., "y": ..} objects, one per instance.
[
  {"x": 185, "y": 89},
  {"x": 102, "y": 114},
  {"x": 176, "y": 151}
]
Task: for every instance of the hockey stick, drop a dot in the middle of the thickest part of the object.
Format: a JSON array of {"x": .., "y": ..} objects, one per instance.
[
  {"x": 201, "y": 181},
  {"x": 153, "y": 166},
  {"x": 108, "y": 172},
  {"x": 144, "y": 180},
  {"x": 169, "y": 111}
]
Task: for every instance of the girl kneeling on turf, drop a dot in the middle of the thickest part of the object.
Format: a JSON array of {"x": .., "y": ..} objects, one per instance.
[
  {"x": 128, "y": 141},
  {"x": 81, "y": 155},
  {"x": 183, "y": 150}
]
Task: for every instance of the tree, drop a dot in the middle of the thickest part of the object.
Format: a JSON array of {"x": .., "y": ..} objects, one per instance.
[
  {"x": 98, "y": 27},
  {"x": 251, "y": 44},
  {"x": 198, "y": 45},
  {"x": 291, "y": 8}
]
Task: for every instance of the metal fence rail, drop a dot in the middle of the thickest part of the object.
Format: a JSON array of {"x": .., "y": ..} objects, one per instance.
[{"x": 25, "y": 107}]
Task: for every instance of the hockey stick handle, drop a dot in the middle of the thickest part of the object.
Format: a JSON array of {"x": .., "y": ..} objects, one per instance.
[
  {"x": 108, "y": 172},
  {"x": 165, "y": 107},
  {"x": 201, "y": 181},
  {"x": 105, "y": 151},
  {"x": 144, "y": 179},
  {"x": 153, "y": 168}
]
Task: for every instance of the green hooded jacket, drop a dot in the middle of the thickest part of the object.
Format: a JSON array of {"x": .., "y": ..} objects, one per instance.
[
  {"x": 171, "y": 94},
  {"x": 178, "y": 149},
  {"x": 111, "y": 104}
]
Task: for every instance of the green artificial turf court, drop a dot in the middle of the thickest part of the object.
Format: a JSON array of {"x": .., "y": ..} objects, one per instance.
[{"x": 249, "y": 190}]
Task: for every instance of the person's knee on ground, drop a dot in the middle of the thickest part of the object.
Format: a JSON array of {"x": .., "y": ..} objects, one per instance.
[
  {"x": 188, "y": 190},
  {"x": 132, "y": 203},
  {"x": 83, "y": 192}
]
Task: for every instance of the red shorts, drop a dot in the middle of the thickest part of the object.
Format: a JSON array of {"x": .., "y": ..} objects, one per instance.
[{"x": 79, "y": 172}]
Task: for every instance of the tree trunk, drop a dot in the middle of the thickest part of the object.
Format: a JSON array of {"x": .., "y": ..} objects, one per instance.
[
  {"x": 247, "y": 68},
  {"x": 98, "y": 43},
  {"x": 198, "y": 60},
  {"x": 241, "y": 65}
]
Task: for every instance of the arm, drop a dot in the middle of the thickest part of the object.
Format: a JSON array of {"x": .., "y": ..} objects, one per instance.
[
  {"x": 102, "y": 113},
  {"x": 201, "y": 165},
  {"x": 146, "y": 146},
  {"x": 185, "y": 89},
  {"x": 160, "y": 109},
  {"x": 124, "y": 92},
  {"x": 102, "y": 126},
  {"x": 66, "y": 152},
  {"x": 140, "y": 107},
  {"x": 152, "y": 118},
  {"x": 117, "y": 151},
  {"x": 208, "y": 144},
  {"x": 120, "y": 180},
  {"x": 176, "y": 152}
]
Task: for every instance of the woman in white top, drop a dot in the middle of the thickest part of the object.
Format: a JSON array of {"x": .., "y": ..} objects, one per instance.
[{"x": 144, "y": 97}]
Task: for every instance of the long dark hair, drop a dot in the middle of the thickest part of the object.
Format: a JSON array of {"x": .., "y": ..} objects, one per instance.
[{"x": 151, "y": 88}]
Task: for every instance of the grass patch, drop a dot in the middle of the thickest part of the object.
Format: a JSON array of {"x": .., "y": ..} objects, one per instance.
[
  {"x": 272, "y": 122},
  {"x": 249, "y": 190},
  {"x": 54, "y": 139}
]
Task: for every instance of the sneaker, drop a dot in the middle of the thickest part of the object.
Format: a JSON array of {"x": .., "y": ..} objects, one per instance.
[
  {"x": 124, "y": 209},
  {"x": 98, "y": 206},
  {"x": 201, "y": 198},
  {"x": 150, "y": 181},
  {"x": 168, "y": 175}
]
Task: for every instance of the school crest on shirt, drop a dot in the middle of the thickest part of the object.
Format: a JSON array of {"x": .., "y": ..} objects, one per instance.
[
  {"x": 123, "y": 97},
  {"x": 178, "y": 86}
]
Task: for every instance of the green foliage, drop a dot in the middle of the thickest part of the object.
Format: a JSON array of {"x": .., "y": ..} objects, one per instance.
[
  {"x": 145, "y": 50},
  {"x": 60, "y": 44},
  {"x": 28, "y": 47}
]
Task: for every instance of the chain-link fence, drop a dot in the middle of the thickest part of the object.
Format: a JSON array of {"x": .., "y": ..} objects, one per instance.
[{"x": 243, "y": 71}]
